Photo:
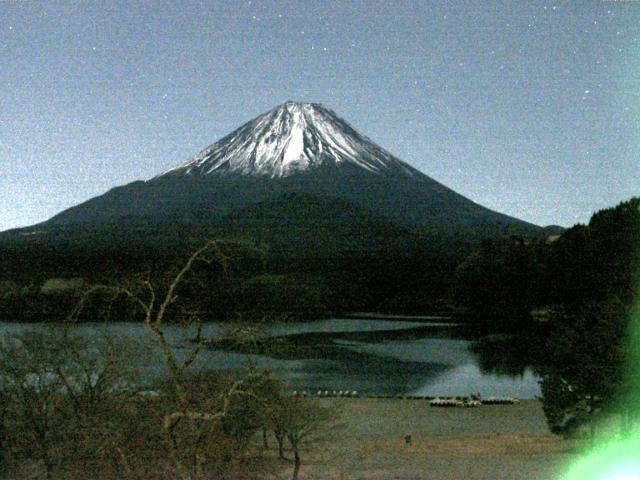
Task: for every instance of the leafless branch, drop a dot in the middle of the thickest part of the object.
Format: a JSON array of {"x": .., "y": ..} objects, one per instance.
[{"x": 170, "y": 297}]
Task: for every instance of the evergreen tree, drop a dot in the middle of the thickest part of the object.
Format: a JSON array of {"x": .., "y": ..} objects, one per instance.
[{"x": 584, "y": 373}]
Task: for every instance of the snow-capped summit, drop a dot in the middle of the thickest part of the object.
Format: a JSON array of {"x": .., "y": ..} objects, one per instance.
[{"x": 291, "y": 138}]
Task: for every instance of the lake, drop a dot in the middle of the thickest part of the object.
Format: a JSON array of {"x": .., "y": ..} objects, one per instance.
[{"x": 372, "y": 356}]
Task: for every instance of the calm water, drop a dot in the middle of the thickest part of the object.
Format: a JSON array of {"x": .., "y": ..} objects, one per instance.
[{"x": 370, "y": 356}]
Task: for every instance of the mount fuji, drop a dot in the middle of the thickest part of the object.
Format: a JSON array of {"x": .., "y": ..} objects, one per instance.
[
  {"x": 296, "y": 168},
  {"x": 292, "y": 138}
]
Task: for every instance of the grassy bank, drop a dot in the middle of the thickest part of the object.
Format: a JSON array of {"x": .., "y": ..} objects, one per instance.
[{"x": 489, "y": 442}]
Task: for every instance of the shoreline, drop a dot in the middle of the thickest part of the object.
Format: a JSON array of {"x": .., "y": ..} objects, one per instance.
[
  {"x": 501, "y": 442},
  {"x": 390, "y": 316}
]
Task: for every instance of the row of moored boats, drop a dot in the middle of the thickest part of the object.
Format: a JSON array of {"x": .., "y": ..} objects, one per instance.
[{"x": 470, "y": 401}]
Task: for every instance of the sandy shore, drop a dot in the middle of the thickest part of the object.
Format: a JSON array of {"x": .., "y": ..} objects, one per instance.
[{"x": 489, "y": 442}]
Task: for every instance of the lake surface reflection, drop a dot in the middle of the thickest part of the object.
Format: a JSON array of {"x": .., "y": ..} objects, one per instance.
[{"x": 370, "y": 356}]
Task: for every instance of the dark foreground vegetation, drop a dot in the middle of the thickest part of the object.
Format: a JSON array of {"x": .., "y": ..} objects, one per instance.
[{"x": 72, "y": 408}]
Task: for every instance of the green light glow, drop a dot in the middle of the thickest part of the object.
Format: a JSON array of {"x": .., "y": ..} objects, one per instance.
[{"x": 618, "y": 460}]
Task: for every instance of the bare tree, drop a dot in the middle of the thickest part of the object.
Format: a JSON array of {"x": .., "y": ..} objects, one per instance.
[
  {"x": 300, "y": 420},
  {"x": 195, "y": 418},
  {"x": 58, "y": 393},
  {"x": 31, "y": 390},
  {"x": 155, "y": 305}
]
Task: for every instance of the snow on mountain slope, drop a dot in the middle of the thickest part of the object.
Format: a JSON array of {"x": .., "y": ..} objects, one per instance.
[{"x": 290, "y": 138}]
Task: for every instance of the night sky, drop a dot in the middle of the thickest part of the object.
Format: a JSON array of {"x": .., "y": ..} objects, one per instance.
[{"x": 530, "y": 108}]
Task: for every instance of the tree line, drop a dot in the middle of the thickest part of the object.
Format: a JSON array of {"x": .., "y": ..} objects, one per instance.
[
  {"x": 42, "y": 283},
  {"x": 574, "y": 296}
]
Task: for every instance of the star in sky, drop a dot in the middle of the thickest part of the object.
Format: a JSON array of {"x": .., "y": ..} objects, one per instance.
[{"x": 473, "y": 107}]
